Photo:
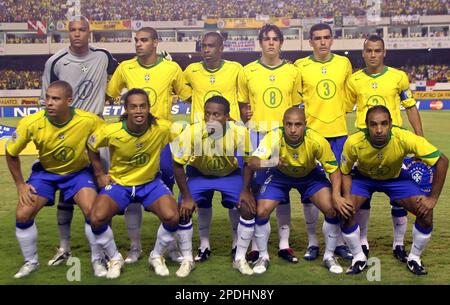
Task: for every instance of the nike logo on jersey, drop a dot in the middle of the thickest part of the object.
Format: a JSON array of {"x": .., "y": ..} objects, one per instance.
[
  {"x": 66, "y": 63},
  {"x": 193, "y": 71},
  {"x": 253, "y": 70}
]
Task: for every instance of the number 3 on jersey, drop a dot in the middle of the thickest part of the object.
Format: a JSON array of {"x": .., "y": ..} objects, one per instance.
[
  {"x": 326, "y": 89},
  {"x": 272, "y": 97}
]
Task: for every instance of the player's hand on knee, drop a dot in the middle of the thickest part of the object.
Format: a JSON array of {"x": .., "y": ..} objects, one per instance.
[
  {"x": 426, "y": 205},
  {"x": 27, "y": 194},
  {"x": 247, "y": 203},
  {"x": 344, "y": 206},
  {"x": 187, "y": 208}
]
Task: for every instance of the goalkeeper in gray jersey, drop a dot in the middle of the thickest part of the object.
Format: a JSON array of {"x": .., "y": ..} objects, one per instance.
[{"x": 86, "y": 69}]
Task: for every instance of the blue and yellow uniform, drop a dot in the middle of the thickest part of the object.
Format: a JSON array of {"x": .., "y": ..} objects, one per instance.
[
  {"x": 135, "y": 161},
  {"x": 324, "y": 98},
  {"x": 212, "y": 163},
  {"x": 301, "y": 172},
  {"x": 63, "y": 160},
  {"x": 159, "y": 80},
  {"x": 379, "y": 169},
  {"x": 206, "y": 83}
]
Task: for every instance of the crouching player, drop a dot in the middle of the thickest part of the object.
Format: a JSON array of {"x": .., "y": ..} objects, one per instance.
[
  {"x": 291, "y": 152},
  {"x": 379, "y": 151},
  {"x": 60, "y": 134},
  {"x": 135, "y": 144},
  {"x": 209, "y": 149}
]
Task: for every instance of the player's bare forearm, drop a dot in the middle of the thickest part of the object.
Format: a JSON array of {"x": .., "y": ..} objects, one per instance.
[
  {"x": 15, "y": 169},
  {"x": 346, "y": 186},
  {"x": 439, "y": 177},
  {"x": 180, "y": 178},
  {"x": 254, "y": 163},
  {"x": 336, "y": 182},
  {"x": 96, "y": 163},
  {"x": 248, "y": 174},
  {"x": 414, "y": 120}
]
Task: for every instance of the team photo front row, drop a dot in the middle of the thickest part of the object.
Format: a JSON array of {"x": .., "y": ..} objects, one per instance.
[{"x": 254, "y": 173}]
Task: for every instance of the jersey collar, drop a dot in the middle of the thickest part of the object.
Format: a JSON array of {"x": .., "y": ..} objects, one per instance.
[
  {"x": 72, "y": 113},
  {"x": 134, "y": 134},
  {"x": 311, "y": 57},
  {"x": 376, "y": 75},
  {"x": 214, "y": 70},
  {"x": 158, "y": 61},
  {"x": 283, "y": 62}
]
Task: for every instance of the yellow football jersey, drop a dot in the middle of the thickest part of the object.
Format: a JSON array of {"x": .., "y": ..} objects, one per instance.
[
  {"x": 270, "y": 91},
  {"x": 213, "y": 156},
  {"x": 207, "y": 83},
  {"x": 62, "y": 149},
  {"x": 134, "y": 158},
  {"x": 323, "y": 95},
  {"x": 302, "y": 158},
  {"x": 158, "y": 80},
  {"x": 389, "y": 88},
  {"x": 385, "y": 163}
]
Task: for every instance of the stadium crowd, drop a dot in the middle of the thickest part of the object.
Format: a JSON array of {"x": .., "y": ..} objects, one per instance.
[{"x": 152, "y": 10}]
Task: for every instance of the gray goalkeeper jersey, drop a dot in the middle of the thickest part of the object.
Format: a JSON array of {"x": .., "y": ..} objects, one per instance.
[{"x": 86, "y": 74}]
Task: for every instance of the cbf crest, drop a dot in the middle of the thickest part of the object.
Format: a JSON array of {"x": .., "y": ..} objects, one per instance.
[
  {"x": 324, "y": 70},
  {"x": 212, "y": 79},
  {"x": 147, "y": 77},
  {"x": 272, "y": 78},
  {"x": 374, "y": 85}
]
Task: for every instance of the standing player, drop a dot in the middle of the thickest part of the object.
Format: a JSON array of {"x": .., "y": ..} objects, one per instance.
[
  {"x": 136, "y": 143},
  {"x": 159, "y": 78},
  {"x": 267, "y": 87},
  {"x": 378, "y": 84},
  {"x": 323, "y": 81},
  {"x": 86, "y": 69},
  {"x": 291, "y": 153},
  {"x": 209, "y": 150},
  {"x": 210, "y": 77},
  {"x": 60, "y": 133},
  {"x": 378, "y": 152}
]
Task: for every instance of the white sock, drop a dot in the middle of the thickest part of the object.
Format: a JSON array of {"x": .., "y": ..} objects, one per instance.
[
  {"x": 352, "y": 238},
  {"x": 421, "y": 237},
  {"x": 400, "y": 225},
  {"x": 339, "y": 239},
  {"x": 331, "y": 231},
  {"x": 96, "y": 249},
  {"x": 204, "y": 223},
  {"x": 254, "y": 245},
  {"x": 362, "y": 219},
  {"x": 163, "y": 238},
  {"x": 107, "y": 243},
  {"x": 184, "y": 238},
  {"x": 245, "y": 231},
  {"x": 284, "y": 224},
  {"x": 311, "y": 214},
  {"x": 133, "y": 219},
  {"x": 233, "y": 214},
  {"x": 262, "y": 233},
  {"x": 27, "y": 239},
  {"x": 64, "y": 215}
]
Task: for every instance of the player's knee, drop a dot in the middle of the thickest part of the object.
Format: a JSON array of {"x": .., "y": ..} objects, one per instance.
[
  {"x": 330, "y": 212},
  {"x": 23, "y": 216},
  {"x": 170, "y": 217},
  {"x": 246, "y": 213},
  {"x": 98, "y": 218},
  {"x": 263, "y": 213}
]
